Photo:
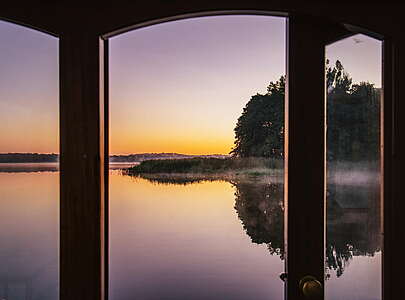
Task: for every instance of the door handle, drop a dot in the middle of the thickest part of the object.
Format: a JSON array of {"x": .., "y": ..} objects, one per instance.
[{"x": 311, "y": 287}]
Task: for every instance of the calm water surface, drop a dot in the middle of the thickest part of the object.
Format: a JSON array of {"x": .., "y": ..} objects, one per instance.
[
  {"x": 29, "y": 235},
  {"x": 204, "y": 240},
  {"x": 185, "y": 242}
]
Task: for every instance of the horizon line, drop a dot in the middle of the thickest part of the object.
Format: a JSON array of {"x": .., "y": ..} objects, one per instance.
[{"x": 54, "y": 153}]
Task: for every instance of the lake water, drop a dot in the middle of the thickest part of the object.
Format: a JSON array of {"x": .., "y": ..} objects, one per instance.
[
  {"x": 173, "y": 241},
  {"x": 194, "y": 240},
  {"x": 29, "y": 234}
]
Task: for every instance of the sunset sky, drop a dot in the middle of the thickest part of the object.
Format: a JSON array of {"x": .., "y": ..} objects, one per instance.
[
  {"x": 186, "y": 82},
  {"x": 29, "y": 90},
  {"x": 174, "y": 87}
]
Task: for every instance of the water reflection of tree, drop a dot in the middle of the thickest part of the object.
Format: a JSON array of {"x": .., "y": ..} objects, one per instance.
[
  {"x": 353, "y": 223},
  {"x": 168, "y": 180},
  {"x": 353, "y": 220},
  {"x": 260, "y": 208}
]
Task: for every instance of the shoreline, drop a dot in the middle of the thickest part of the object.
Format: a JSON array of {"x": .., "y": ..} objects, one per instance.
[{"x": 253, "y": 175}]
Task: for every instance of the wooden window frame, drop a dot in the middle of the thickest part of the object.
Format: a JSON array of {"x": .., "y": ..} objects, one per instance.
[{"x": 84, "y": 161}]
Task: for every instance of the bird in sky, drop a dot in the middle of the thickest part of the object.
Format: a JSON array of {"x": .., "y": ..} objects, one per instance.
[{"x": 357, "y": 41}]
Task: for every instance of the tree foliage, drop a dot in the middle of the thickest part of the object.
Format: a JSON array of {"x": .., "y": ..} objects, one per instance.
[
  {"x": 259, "y": 131},
  {"x": 352, "y": 112}
]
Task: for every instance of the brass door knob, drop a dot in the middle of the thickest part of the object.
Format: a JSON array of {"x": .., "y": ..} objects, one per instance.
[{"x": 311, "y": 287}]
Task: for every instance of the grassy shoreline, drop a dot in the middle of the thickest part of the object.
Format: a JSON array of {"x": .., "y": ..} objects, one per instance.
[
  {"x": 208, "y": 169},
  {"x": 206, "y": 165},
  {"x": 184, "y": 178}
]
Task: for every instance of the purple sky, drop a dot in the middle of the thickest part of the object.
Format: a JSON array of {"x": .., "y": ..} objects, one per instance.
[
  {"x": 29, "y": 90},
  {"x": 186, "y": 82},
  {"x": 175, "y": 87}
]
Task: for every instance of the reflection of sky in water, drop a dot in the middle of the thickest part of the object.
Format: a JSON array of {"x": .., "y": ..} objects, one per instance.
[
  {"x": 167, "y": 242},
  {"x": 354, "y": 228},
  {"x": 185, "y": 242},
  {"x": 361, "y": 280},
  {"x": 205, "y": 213},
  {"x": 29, "y": 225}
]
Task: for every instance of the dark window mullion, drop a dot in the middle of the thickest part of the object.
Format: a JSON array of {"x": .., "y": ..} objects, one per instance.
[
  {"x": 82, "y": 167},
  {"x": 304, "y": 189}
]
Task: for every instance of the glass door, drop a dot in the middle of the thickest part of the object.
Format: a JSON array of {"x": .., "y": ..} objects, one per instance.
[
  {"x": 353, "y": 169},
  {"x": 196, "y": 166},
  {"x": 334, "y": 173}
]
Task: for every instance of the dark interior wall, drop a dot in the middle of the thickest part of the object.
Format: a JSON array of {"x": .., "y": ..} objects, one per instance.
[
  {"x": 372, "y": 17},
  {"x": 57, "y": 17}
]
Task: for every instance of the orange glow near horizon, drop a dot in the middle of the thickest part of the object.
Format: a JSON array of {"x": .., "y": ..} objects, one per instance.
[
  {"x": 170, "y": 137},
  {"x": 175, "y": 87},
  {"x": 179, "y": 87},
  {"x": 24, "y": 137},
  {"x": 171, "y": 144}
]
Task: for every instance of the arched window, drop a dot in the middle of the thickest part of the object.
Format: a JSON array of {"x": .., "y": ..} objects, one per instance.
[{"x": 341, "y": 168}]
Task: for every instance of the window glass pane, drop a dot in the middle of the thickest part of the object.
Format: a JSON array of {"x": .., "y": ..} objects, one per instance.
[
  {"x": 190, "y": 220},
  {"x": 354, "y": 203},
  {"x": 29, "y": 177}
]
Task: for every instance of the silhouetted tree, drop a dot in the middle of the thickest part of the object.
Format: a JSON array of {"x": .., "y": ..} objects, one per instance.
[
  {"x": 353, "y": 120},
  {"x": 259, "y": 130},
  {"x": 353, "y": 114}
]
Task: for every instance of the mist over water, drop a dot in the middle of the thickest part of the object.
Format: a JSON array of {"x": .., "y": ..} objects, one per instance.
[
  {"x": 350, "y": 173},
  {"x": 186, "y": 240}
]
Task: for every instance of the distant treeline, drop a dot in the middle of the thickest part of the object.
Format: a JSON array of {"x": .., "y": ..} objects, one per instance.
[
  {"x": 39, "y": 157},
  {"x": 28, "y": 157}
]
